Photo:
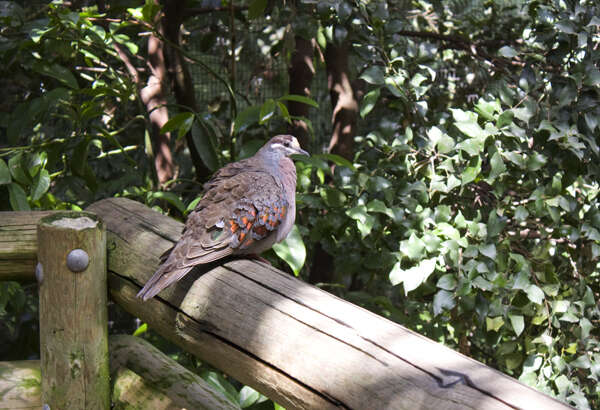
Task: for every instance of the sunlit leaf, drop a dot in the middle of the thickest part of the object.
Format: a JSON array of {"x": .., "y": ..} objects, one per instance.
[
  {"x": 517, "y": 322},
  {"x": 414, "y": 276},
  {"x": 301, "y": 99},
  {"x": 292, "y": 250},
  {"x": 40, "y": 186},
  {"x": 171, "y": 198},
  {"x": 143, "y": 328},
  {"x": 493, "y": 324},
  {"x": 248, "y": 396},
  {"x": 369, "y": 101},
  {"x": 413, "y": 247}
]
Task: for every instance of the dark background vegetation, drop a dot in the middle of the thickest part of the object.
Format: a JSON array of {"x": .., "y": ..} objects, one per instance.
[{"x": 453, "y": 186}]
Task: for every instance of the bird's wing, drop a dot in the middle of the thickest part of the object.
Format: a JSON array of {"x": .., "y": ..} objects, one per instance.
[{"x": 239, "y": 213}]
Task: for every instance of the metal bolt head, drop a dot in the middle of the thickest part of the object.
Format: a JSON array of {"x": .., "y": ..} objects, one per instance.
[
  {"x": 39, "y": 273},
  {"x": 77, "y": 260}
]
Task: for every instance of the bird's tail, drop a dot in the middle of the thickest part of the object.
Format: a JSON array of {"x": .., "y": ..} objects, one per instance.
[{"x": 161, "y": 279}]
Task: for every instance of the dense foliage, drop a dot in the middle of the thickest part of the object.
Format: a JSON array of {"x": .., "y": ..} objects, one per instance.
[{"x": 469, "y": 211}]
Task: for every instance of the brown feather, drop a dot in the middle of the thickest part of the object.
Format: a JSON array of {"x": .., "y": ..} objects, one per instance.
[{"x": 246, "y": 207}]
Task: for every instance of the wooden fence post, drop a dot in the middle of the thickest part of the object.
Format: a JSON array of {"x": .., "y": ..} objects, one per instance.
[{"x": 73, "y": 316}]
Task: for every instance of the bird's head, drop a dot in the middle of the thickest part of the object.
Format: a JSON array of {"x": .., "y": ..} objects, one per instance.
[{"x": 284, "y": 146}]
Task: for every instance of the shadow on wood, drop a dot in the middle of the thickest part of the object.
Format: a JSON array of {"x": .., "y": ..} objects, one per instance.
[{"x": 297, "y": 344}]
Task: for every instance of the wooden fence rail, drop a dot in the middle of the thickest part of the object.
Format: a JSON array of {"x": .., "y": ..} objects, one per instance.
[
  {"x": 297, "y": 344},
  {"x": 142, "y": 377}
]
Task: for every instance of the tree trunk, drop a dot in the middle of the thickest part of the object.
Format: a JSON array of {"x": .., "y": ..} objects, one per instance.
[
  {"x": 180, "y": 76},
  {"x": 301, "y": 73},
  {"x": 153, "y": 97},
  {"x": 343, "y": 100}
]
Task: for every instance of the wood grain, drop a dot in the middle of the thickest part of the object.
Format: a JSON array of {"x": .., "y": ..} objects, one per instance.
[
  {"x": 20, "y": 385},
  {"x": 146, "y": 378},
  {"x": 18, "y": 245},
  {"x": 295, "y": 343},
  {"x": 73, "y": 313}
]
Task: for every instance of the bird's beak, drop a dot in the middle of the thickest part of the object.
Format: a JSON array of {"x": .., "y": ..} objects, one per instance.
[{"x": 300, "y": 151}]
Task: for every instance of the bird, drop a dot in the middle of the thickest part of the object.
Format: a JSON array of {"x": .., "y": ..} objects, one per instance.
[{"x": 246, "y": 207}]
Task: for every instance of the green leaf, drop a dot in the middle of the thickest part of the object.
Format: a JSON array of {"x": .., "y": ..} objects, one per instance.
[
  {"x": 4, "y": 173},
  {"x": 517, "y": 322},
  {"x": 40, "y": 186},
  {"x": 414, "y": 276},
  {"x": 256, "y": 9},
  {"x": 337, "y": 160},
  {"x": 535, "y": 294},
  {"x": 441, "y": 140},
  {"x": 248, "y": 396},
  {"x": 284, "y": 111},
  {"x": 443, "y": 300},
  {"x": 217, "y": 381},
  {"x": 521, "y": 213},
  {"x": 495, "y": 225},
  {"x": 536, "y": 161},
  {"x": 364, "y": 221},
  {"x": 17, "y": 198},
  {"x": 368, "y": 102},
  {"x": 494, "y": 324},
  {"x": 497, "y": 166},
  {"x": 246, "y": 118},
  {"x": 447, "y": 282},
  {"x": 582, "y": 362},
  {"x": 413, "y": 247},
  {"x": 143, "y": 328},
  {"x": 472, "y": 171},
  {"x": 373, "y": 75},
  {"x": 487, "y": 109},
  {"x": 472, "y": 130},
  {"x": 292, "y": 250},
  {"x": 192, "y": 205},
  {"x": 171, "y": 198},
  {"x": 300, "y": 98},
  {"x": 506, "y": 118},
  {"x": 376, "y": 205},
  {"x": 472, "y": 146},
  {"x": 563, "y": 383},
  {"x": 182, "y": 120},
  {"x": 59, "y": 73},
  {"x": 333, "y": 197},
  {"x": 267, "y": 110},
  {"x": 488, "y": 250},
  {"x": 17, "y": 170},
  {"x": 205, "y": 140}
]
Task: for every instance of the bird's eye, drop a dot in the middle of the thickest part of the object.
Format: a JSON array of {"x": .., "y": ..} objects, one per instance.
[{"x": 286, "y": 144}]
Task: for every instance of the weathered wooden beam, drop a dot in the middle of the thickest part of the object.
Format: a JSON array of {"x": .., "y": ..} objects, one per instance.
[
  {"x": 142, "y": 377},
  {"x": 73, "y": 314},
  {"x": 295, "y": 343},
  {"x": 20, "y": 385},
  {"x": 18, "y": 246},
  {"x": 146, "y": 378}
]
